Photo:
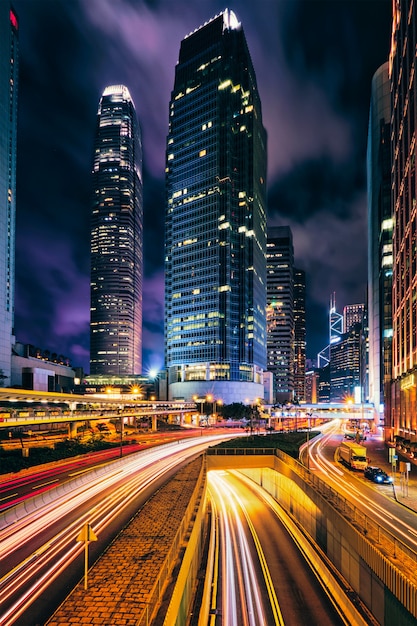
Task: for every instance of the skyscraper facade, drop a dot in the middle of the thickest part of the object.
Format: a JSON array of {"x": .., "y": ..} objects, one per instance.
[
  {"x": 9, "y": 74},
  {"x": 299, "y": 334},
  {"x": 345, "y": 369},
  {"x": 404, "y": 193},
  {"x": 215, "y": 239},
  {"x": 380, "y": 251},
  {"x": 280, "y": 311},
  {"x": 116, "y": 238}
]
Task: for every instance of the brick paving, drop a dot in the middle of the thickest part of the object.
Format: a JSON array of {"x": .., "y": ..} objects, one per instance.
[{"x": 121, "y": 581}]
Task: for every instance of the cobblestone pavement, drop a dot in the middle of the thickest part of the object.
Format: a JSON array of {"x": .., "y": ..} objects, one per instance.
[{"x": 121, "y": 581}]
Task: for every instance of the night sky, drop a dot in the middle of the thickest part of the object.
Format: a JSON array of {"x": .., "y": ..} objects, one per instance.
[{"x": 314, "y": 62}]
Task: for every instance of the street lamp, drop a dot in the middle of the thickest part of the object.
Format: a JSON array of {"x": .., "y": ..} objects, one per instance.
[
  {"x": 121, "y": 430},
  {"x": 200, "y": 401},
  {"x": 308, "y": 440}
]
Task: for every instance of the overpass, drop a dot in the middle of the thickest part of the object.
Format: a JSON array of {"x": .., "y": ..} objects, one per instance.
[{"x": 22, "y": 407}]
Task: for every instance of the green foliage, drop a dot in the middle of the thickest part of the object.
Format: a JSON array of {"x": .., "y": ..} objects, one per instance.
[
  {"x": 287, "y": 442},
  {"x": 235, "y": 411},
  {"x": 13, "y": 461}
]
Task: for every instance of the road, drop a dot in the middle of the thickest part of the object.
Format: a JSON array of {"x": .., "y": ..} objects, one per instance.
[
  {"x": 24, "y": 485},
  {"x": 39, "y": 555},
  {"x": 260, "y": 577},
  {"x": 373, "y": 506}
]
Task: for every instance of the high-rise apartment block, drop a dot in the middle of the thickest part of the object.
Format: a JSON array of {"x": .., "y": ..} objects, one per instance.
[
  {"x": 9, "y": 75},
  {"x": 403, "y": 66},
  {"x": 380, "y": 251},
  {"x": 280, "y": 311},
  {"x": 215, "y": 240},
  {"x": 116, "y": 238}
]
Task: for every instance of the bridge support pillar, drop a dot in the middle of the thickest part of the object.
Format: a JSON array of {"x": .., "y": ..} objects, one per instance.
[
  {"x": 181, "y": 419},
  {"x": 72, "y": 430},
  {"x": 154, "y": 424}
]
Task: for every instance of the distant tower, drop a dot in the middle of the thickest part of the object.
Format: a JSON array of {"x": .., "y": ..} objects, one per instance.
[
  {"x": 9, "y": 75},
  {"x": 280, "y": 311},
  {"x": 215, "y": 235},
  {"x": 116, "y": 238},
  {"x": 335, "y": 322},
  {"x": 345, "y": 365},
  {"x": 403, "y": 68},
  {"x": 352, "y": 314},
  {"x": 299, "y": 334}
]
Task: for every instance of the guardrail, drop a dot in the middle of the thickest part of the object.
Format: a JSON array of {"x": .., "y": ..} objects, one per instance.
[{"x": 387, "y": 543}]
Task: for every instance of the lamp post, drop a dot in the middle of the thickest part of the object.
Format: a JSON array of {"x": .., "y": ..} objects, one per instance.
[
  {"x": 308, "y": 440},
  {"x": 219, "y": 403},
  {"x": 121, "y": 431},
  {"x": 200, "y": 401}
]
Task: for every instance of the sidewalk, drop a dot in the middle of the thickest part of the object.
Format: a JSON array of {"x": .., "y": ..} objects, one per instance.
[{"x": 404, "y": 493}]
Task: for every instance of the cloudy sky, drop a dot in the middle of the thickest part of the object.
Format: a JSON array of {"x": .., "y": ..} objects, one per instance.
[{"x": 314, "y": 61}]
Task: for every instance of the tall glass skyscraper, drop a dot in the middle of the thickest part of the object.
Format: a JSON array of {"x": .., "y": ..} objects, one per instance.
[
  {"x": 9, "y": 71},
  {"x": 215, "y": 272},
  {"x": 116, "y": 238}
]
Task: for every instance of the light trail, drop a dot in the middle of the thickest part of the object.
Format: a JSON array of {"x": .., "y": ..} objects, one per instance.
[
  {"x": 108, "y": 496},
  {"x": 397, "y": 527},
  {"x": 243, "y": 586}
]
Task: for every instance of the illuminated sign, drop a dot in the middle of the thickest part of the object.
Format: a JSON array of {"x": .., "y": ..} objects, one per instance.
[
  {"x": 408, "y": 382},
  {"x": 13, "y": 20}
]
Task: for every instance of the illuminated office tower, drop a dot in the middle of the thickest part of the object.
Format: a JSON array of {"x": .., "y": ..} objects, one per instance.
[
  {"x": 116, "y": 238},
  {"x": 280, "y": 311},
  {"x": 380, "y": 231},
  {"x": 9, "y": 61},
  {"x": 336, "y": 328},
  {"x": 404, "y": 193},
  {"x": 215, "y": 238}
]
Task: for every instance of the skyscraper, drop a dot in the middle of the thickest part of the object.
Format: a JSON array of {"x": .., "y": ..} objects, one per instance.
[
  {"x": 380, "y": 227},
  {"x": 215, "y": 276},
  {"x": 345, "y": 371},
  {"x": 9, "y": 72},
  {"x": 352, "y": 314},
  {"x": 404, "y": 193},
  {"x": 116, "y": 238},
  {"x": 299, "y": 334},
  {"x": 280, "y": 311}
]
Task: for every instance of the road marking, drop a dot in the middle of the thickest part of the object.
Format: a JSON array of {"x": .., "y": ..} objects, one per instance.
[
  {"x": 44, "y": 484},
  {"x": 12, "y": 495}
]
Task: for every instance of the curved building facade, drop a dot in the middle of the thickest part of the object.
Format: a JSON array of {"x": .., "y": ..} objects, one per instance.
[
  {"x": 116, "y": 238},
  {"x": 215, "y": 240}
]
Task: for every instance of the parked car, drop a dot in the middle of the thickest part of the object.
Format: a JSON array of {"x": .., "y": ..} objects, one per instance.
[{"x": 377, "y": 475}]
